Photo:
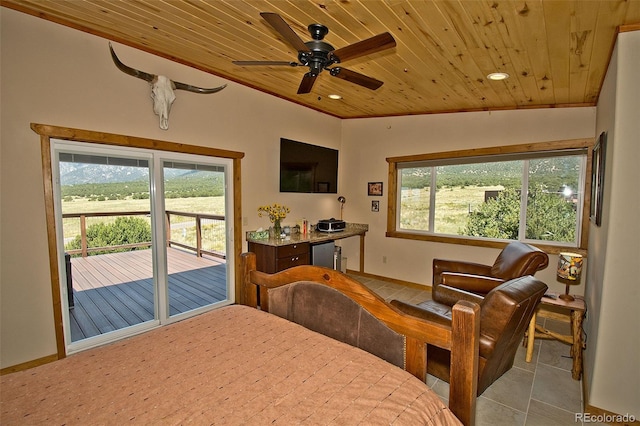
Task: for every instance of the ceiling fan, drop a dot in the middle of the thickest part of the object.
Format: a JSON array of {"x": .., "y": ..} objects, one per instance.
[{"x": 319, "y": 55}]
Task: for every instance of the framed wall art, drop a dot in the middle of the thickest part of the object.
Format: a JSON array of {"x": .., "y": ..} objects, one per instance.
[
  {"x": 374, "y": 188},
  {"x": 375, "y": 206},
  {"x": 598, "y": 160}
]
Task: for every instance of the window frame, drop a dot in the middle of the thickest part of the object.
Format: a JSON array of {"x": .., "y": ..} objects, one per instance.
[{"x": 498, "y": 151}]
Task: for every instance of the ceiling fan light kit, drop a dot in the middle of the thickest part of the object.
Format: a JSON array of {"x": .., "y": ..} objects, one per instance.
[{"x": 319, "y": 55}]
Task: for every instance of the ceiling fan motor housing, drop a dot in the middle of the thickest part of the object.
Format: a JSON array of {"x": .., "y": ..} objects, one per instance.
[{"x": 318, "y": 56}]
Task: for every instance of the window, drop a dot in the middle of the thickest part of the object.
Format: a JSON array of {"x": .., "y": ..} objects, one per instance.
[{"x": 478, "y": 195}]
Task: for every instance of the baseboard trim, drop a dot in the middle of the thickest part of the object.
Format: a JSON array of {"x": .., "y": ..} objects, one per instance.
[{"x": 29, "y": 364}]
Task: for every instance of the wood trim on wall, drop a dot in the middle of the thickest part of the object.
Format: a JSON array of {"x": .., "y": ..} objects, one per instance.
[
  {"x": 47, "y": 176},
  {"x": 29, "y": 364},
  {"x": 629, "y": 27},
  {"x": 392, "y": 193},
  {"x": 47, "y": 132}
]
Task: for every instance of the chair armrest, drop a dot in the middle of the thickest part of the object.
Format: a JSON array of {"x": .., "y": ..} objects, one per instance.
[
  {"x": 422, "y": 313},
  {"x": 472, "y": 283},
  {"x": 450, "y": 295},
  {"x": 442, "y": 265}
]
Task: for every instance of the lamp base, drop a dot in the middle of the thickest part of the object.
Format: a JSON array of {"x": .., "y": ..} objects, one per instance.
[{"x": 567, "y": 297}]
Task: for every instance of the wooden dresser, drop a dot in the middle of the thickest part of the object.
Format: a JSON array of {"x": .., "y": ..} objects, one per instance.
[
  {"x": 271, "y": 259},
  {"x": 276, "y": 254}
]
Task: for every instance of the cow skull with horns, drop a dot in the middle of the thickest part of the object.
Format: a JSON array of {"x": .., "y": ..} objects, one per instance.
[{"x": 161, "y": 89}]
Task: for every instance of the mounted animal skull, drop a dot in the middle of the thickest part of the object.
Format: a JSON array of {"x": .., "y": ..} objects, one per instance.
[{"x": 161, "y": 89}]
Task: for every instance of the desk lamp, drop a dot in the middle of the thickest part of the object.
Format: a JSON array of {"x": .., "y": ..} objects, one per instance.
[
  {"x": 569, "y": 270},
  {"x": 341, "y": 200}
]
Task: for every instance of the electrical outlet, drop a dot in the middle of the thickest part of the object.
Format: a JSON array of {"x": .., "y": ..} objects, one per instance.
[{"x": 384, "y": 259}]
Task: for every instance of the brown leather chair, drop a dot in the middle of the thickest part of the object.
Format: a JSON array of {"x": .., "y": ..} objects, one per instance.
[
  {"x": 515, "y": 260},
  {"x": 505, "y": 313}
]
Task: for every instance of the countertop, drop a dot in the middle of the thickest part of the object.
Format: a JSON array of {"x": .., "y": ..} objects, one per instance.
[{"x": 316, "y": 237}]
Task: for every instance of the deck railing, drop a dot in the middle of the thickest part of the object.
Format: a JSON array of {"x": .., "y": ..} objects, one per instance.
[
  {"x": 212, "y": 226},
  {"x": 215, "y": 233}
]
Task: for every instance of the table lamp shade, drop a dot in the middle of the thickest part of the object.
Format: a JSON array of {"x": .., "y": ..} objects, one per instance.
[
  {"x": 570, "y": 266},
  {"x": 569, "y": 270}
]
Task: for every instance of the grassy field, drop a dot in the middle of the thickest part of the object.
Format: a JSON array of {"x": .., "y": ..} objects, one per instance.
[
  {"x": 452, "y": 207},
  {"x": 207, "y": 205}
]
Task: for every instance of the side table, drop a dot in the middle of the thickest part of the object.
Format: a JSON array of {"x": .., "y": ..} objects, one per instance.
[{"x": 576, "y": 309}]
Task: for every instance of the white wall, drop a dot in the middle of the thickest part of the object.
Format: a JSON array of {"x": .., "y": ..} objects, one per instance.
[
  {"x": 55, "y": 75},
  {"x": 613, "y": 293},
  {"x": 367, "y": 142}
]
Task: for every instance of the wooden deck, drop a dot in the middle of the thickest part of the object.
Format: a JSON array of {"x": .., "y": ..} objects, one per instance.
[{"x": 113, "y": 291}]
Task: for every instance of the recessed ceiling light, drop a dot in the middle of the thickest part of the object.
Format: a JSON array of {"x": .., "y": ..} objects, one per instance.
[
  {"x": 335, "y": 97},
  {"x": 498, "y": 76}
]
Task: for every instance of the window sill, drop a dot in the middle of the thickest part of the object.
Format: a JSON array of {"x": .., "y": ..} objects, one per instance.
[{"x": 547, "y": 248}]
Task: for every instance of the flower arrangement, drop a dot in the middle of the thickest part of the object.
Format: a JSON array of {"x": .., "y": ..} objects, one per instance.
[{"x": 276, "y": 213}]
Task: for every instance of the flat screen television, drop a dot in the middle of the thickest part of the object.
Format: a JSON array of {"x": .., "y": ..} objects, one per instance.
[{"x": 307, "y": 168}]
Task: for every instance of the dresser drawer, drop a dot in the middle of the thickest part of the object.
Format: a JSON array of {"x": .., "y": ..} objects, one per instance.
[
  {"x": 272, "y": 259},
  {"x": 292, "y": 250},
  {"x": 290, "y": 261}
]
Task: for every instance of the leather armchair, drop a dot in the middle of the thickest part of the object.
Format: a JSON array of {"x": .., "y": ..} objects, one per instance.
[
  {"x": 505, "y": 313},
  {"x": 515, "y": 260}
]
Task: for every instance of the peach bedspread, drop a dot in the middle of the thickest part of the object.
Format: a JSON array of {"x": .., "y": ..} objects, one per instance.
[{"x": 234, "y": 365}]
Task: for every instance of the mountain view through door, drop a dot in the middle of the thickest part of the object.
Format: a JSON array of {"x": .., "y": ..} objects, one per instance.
[{"x": 109, "y": 224}]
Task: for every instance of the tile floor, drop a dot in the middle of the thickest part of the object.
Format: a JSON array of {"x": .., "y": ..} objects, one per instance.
[{"x": 540, "y": 393}]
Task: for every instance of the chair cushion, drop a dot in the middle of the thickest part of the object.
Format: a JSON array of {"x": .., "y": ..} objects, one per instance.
[
  {"x": 440, "y": 313},
  {"x": 439, "y": 309},
  {"x": 477, "y": 284}
]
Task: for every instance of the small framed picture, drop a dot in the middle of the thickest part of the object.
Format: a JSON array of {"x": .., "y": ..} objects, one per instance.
[
  {"x": 375, "y": 206},
  {"x": 375, "y": 188}
]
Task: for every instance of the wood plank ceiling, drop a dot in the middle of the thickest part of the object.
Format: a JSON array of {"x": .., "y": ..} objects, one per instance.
[{"x": 556, "y": 52}]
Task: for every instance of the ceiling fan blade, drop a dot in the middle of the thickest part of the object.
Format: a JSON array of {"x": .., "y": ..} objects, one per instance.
[
  {"x": 365, "y": 47},
  {"x": 356, "y": 77},
  {"x": 285, "y": 30},
  {"x": 307, "y": 83},
  {"x": 245, "y": 63}
]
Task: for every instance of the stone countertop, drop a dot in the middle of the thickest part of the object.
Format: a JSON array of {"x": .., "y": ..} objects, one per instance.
[{"x": 351, "y": 229}]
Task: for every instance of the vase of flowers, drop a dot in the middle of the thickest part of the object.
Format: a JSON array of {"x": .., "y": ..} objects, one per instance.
[{"x": 276, "y": 213}]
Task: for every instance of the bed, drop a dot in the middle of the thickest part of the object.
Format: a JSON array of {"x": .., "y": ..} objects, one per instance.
[{"x": 244, "y": 365}]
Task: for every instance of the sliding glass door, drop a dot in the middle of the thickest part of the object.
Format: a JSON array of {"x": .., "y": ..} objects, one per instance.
[
  {"x": 144, "y": 238},
  {"x": 196, "y": 246}
]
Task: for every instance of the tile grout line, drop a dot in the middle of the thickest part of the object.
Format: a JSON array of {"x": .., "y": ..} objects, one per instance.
[{"x": 533, "y": 382}]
